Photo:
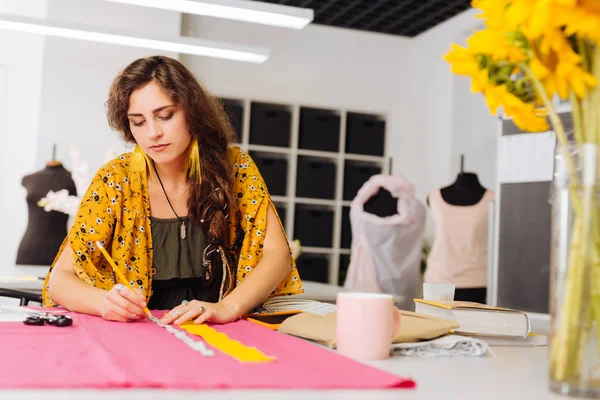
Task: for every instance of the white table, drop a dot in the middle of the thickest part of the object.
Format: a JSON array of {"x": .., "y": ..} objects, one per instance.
[
  {"x": 23, "y": 277},
  {"x": 514, "y": 373}
]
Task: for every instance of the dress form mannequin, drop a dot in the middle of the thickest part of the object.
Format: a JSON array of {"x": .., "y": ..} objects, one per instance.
[
  {"x": 387, "y": 239},
  {"x": 466, "y": 189},
  {"x": 45, "y": 230},
  {"x": 382, "y": 204},
  {"x": 465, "y": 194}
]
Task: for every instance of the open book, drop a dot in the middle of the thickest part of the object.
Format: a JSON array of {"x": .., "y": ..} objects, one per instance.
[
  {"x": 293, "y": 304},
  {"x": 476, "y": 318},
  {"x": 275, "y": 310}
]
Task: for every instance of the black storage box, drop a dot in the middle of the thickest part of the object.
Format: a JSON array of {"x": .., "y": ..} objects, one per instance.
[
  {"x": 344, "y": 263},
  {"x": 235, "y": 111},
  {"x": 365, "y": 134},
  {"x": 313, "y": 268},
  {"x": 273, "y": 170},
  {"x": 346, "y": 228},
  {"x": 319, "y": 130},
  {"x": 281, "y": 211},
  {"x": 315, "y": 178},
  {"x": 355, "y": 175},
  {"x": 270, "y": 125},
  {"x": 313, "y": 226}
]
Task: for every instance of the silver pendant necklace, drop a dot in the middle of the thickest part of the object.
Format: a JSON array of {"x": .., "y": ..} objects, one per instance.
[{"x": 182, "y": 227}]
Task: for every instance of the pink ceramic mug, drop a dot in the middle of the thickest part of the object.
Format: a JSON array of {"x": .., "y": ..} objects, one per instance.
[{"x": 366, "y": 324}]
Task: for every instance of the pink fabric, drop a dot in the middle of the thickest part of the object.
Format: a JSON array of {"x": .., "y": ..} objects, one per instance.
[{"x": 94, "y": 353}]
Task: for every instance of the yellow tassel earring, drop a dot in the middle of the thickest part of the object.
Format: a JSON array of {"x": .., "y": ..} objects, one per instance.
[
  {"x": 194, "y": 163},
  {"x": 140, "y": 162}
]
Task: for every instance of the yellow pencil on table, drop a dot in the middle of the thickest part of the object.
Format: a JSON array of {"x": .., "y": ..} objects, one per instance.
[{"x": 118, "y": 273}]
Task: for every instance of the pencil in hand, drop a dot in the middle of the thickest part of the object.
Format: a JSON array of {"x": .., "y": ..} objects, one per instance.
[{"x": 118, "y": 273}]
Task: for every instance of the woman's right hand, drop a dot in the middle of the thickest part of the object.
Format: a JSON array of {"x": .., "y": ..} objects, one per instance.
[{"x": 122, "y": 304}]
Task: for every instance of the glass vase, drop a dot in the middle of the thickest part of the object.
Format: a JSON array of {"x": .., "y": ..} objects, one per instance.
[{"x": 575, "y": 273}]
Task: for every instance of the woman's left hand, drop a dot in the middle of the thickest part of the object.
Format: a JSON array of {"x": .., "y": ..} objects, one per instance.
[{"x": 199, "y": 312}]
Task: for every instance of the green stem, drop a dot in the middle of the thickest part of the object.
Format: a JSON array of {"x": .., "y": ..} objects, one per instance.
[
  {"x": 561, "y": 135},
  {"x": 577, "y": 305},
  {"x": 593, "y": 109},
  {"x": 584, "y": 52},
  {"x": 578, "y": 124},
  {"x": 563, "y": 343},
  {"x": 586, "y": 119}
]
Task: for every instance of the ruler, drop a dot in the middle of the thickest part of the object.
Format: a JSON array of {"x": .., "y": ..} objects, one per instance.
[{"x": 198, "y": 346}]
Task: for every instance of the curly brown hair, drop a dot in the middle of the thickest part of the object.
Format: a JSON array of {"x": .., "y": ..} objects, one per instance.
[{"x": 207, "y": 122}]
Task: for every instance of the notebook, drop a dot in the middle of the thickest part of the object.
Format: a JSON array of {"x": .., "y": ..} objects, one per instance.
[
  {"x": 476, "y": 318},
  {"x": 275, "y": 310}
]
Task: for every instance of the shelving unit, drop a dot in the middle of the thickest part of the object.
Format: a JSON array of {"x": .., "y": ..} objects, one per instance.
[{"x": 313, "y": 160}]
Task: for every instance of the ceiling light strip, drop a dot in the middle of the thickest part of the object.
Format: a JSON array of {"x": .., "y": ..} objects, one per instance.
[
  {"x": 240, "y": 10},
  {"x": 182, "y": 45}
]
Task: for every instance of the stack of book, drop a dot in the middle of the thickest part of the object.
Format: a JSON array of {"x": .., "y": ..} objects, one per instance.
[{"x": 495, "y": 325}]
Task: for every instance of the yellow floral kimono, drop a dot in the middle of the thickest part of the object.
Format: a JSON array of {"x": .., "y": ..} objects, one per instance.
[{"x": 116, "y": 211}]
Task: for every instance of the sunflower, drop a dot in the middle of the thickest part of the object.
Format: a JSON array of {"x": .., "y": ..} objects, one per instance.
[
  {"x": 579, "y": 17},
  {"x": 493, "y": 12},
  {"x": 496, "y": 44}
]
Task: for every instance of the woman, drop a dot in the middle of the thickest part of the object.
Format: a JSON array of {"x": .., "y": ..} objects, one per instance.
[{"x": 186, "y": 218}]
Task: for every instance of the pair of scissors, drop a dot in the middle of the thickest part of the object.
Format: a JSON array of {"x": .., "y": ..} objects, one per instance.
[{"x": 50, "y": 319}]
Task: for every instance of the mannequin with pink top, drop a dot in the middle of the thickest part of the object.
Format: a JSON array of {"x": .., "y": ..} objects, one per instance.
[{"x": 460, "y": 214}]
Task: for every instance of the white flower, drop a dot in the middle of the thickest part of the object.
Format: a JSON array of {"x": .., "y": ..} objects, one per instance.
[
  {"x": 295, "y": 248},
  {"x": 60, "y": 201}
]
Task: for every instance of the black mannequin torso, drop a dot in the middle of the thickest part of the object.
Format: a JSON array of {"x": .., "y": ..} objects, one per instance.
[
  {"x": 382, "y": 204},
  {"x": 465, "y": 191},
  {"x": 45, "y": 230}
]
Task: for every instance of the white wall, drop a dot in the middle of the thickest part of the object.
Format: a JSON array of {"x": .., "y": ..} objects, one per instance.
[
  {"x": 432, "y": 117},
  {"x": 21, "y": 58},
  {"x": 56, "y": 94},
  {"x": 318, "y": 66},
  {"x": 450, "y": 119},
  {"x": 77, "y": 76},
  {"x": 473, "y": 129}
]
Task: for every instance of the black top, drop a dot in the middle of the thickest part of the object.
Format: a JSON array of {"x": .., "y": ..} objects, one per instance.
[
  {"x": 178, "y": 263},
  {"x": 45, "y": 230}
]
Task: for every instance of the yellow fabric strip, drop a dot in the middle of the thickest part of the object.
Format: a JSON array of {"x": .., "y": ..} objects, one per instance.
[{"x": 226, "y": 345}]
